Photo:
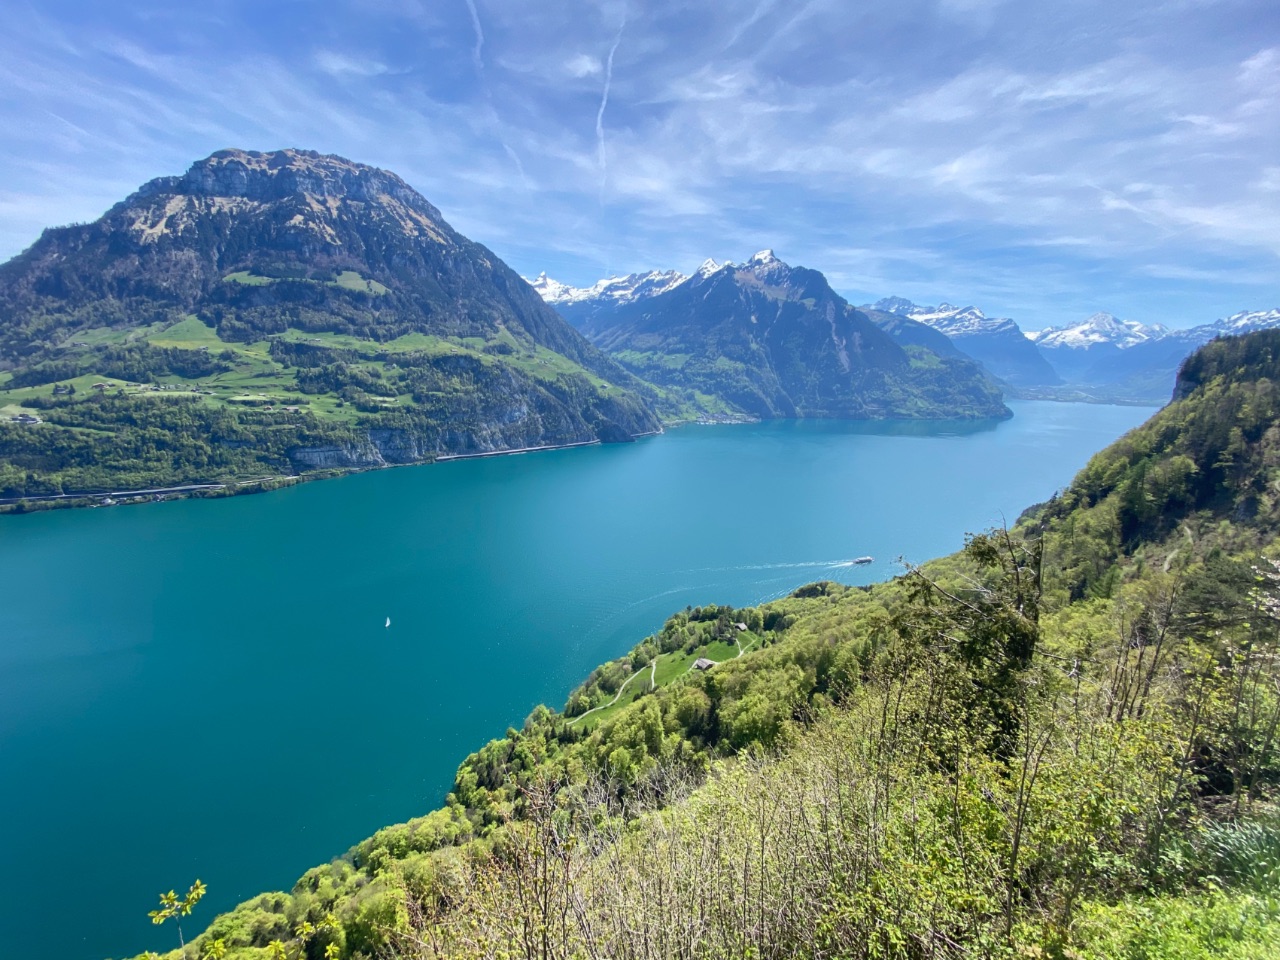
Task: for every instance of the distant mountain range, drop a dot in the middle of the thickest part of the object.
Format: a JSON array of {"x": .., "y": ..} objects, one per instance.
[
  {"x": 1101, "y": 358},
  {"x": 765, "y": 339},
  {"x": 1101, "y": 329},
  {"x": 996, "y": 342},
  {"x": 1131, "y": 361}
]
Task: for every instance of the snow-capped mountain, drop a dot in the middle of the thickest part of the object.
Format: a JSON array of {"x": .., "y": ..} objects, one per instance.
[
  {"x": 590, "y": 308},
  {"x": 1100, "y": 329},
  {"x": 634, "y": 286},
  {"x": 1246, "y": 321},
  {"x": 955, "y": 321},
  {"x": 639, "y": 286},
  {"x": 766, "y": 339},
  {"x": 997, "y": 342},
  {"x": 1137, "y": 367}
]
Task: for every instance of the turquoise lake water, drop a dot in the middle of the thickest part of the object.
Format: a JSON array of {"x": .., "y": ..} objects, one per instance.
[{"x": 207, "y": 688}]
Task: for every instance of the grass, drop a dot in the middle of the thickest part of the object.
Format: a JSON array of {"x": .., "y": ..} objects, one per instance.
[
  {"x": 350, "y": 280},
  {"x": 1211, "y": 927},
  {"x": 670, "y": 668},
  {"x": 111, "y": 336},
  {"x": 248, "y": 278},
  {"x": 187, "y": 334},
  {"x": 647, "y": 358},
  {"x": 257, "y": 380},
  {"x": 347, "y": 280}
]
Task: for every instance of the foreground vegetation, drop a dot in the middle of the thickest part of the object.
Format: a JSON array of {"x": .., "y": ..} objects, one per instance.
[{"x": 1059, "y": 742}]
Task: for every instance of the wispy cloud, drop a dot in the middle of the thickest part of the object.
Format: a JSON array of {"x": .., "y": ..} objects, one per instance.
[
  {"x": 341, "y": 65},
  {"x": 1031, "y": 161},
  {"x": 601, "y": 153}
]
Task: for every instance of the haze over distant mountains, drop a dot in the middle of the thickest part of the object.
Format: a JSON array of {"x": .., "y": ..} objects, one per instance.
[{"x": 1101, "y": 358}]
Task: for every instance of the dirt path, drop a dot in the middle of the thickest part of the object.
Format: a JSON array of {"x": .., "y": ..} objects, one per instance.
[{"x": 616, "y": 696}]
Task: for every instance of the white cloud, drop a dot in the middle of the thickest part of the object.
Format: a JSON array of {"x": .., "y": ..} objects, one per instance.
[
  {"x": 583, "y": 65},
  {"x": 338, "y": 64},
  {"x": 815, "y": 127}
]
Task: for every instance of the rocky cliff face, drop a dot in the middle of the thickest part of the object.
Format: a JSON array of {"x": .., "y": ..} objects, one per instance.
[{"x": 289, "y": 215}]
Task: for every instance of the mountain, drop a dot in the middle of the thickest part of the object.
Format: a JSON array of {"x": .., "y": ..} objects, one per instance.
[
  {"x": 582, "y": 305},
  {"x": 270, "y": 313},
  {"x": 1119, "y": 360},
  {"x": 1074, "y": 350},
  {"x": 1101, "y": 329},
  {"x": 1032, "y": 732},
  {"x": 1246, "y": 321},
  {"x": 766, "y": 339},
  {"x": 907, "y": 332},
  {"x": 996, "y": 342}
]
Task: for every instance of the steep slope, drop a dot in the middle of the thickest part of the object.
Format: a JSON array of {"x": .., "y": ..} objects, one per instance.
[
  {"x": 997, "y": 343},
  {"x": 912, "y": 333},
  {"x": 290, "y": 280},
  {"x": 1062, "y": 740},
  {"x": 771, "y": 340}
]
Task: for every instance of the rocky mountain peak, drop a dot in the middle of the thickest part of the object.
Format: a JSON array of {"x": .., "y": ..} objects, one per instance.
[
  {"x": 633, "y": 286},
  {"x": 314, "y": 185}
]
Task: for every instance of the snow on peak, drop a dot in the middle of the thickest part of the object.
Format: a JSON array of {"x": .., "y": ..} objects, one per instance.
[
  {"x": 634, "y": 286},
  {"x": 1101, "y": 328},
  {"x": 898, "y": 305},
  {"x": 764, "y": 256},
  {"x": 1246, "y": 321},
  {"x": 959, "y": 321},
  {"x": 552, "y": 291},
  {"x": 710, "y": 266},
  {"x": 948, "y": 318}
]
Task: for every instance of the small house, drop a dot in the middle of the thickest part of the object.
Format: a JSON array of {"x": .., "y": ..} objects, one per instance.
[
  {"x": 741, "y": 626},
  {"x": 702, "y": 663}
]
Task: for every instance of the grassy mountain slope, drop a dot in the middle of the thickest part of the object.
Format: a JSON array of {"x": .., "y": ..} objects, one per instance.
[
  {"x": 269, "y": 313},
  {"x": 1059, "y": 742}
]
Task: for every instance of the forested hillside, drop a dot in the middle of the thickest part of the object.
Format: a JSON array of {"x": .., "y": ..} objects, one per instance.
[{"x": 1058, "y": 742}]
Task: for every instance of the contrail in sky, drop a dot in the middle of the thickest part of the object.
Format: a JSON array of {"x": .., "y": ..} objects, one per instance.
[
  {"x": 494, "y": 122},
  {"x": 601, "y": 156},
  {"x": 475, "y": 22}
]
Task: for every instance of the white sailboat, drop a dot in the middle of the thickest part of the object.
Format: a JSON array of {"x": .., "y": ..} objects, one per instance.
[{"x": 388, "y": 621}]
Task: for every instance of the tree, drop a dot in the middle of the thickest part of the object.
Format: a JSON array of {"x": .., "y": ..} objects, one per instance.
[{"x": 171, "y": 906}]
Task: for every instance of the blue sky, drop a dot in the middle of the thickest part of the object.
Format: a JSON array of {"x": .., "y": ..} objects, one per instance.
[{"x": 1040, "y": 160}]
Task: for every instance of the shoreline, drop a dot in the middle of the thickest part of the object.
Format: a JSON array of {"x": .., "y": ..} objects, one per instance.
[
  {"x": 114, "y": 498},
  {"x": 449, "y": 457}
]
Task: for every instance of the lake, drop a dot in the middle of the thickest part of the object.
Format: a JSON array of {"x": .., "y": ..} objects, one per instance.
[{"x": 207, "y": 688}]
